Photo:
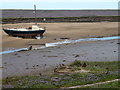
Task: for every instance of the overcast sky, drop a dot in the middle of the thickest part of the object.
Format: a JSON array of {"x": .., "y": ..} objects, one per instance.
[{"x": 60, "y": 4}]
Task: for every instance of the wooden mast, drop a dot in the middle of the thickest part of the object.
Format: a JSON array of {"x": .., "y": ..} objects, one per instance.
[{"x": 35, "y": 14}]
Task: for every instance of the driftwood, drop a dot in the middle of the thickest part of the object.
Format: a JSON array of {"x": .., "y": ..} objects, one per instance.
[{"x": 30, "y": 48}]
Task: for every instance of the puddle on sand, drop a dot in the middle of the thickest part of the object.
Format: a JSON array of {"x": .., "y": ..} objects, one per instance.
[{"x": 64, "y": 42}]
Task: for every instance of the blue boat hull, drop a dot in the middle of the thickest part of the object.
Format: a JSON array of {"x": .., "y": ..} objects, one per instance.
[{"x": 24, "y": 34}]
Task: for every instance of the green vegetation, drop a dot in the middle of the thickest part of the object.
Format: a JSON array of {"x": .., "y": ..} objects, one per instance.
[
  {"x": 62, "y": 19},
  {"x": 98, "y": 72},
  {"x": 97, "y": 66}
]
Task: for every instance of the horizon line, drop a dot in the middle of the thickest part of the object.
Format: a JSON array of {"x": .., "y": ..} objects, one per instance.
[{"x": 61, "y": 9}]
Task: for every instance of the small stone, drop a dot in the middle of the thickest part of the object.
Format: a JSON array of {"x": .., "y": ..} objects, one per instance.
[
  {"x": 76, "y": 56},
  {"x": 114, "y": 51},
  {"x": 15, "y": 54},
  {"x": 37, "y": 65},
  {"x": 64, "y": 60},
  {"x": 44, "y": 55}
]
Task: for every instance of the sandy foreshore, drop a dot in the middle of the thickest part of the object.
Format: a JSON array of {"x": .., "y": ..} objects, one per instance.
[
  {"x": 56, "y": 31},
  {"x": 42, "y": 60}
]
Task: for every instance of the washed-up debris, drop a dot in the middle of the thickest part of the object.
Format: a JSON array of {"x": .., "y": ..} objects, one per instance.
[
  {"x": 65, "y": 38},
  {"x": 76, "y": 56},
  {"x": 30, "y": 48},
  {"x": 38, "y": 37}
]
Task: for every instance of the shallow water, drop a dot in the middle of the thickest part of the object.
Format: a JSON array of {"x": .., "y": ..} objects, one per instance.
[
  {"x": 11, "y": 51},
  {"x": 63, "y": 42},
  {"x": 87, "y": 39}
]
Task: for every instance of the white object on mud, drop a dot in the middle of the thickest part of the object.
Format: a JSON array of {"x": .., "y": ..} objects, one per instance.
[{"x": 37, "y": 37}]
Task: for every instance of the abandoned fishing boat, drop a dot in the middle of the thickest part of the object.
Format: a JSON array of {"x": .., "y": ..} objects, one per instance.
[{"x": 30, "y": 32}]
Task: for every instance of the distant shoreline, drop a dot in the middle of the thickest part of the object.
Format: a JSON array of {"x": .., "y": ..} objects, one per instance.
[
  {"x": 9, "y": 13},
  {"x": 53, "y": 16},
  {"x": 61, "y": 19}
]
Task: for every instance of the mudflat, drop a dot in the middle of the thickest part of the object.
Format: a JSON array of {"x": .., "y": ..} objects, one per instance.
[
  {"x": 47, "y": 59},
  {"x": 43, "y": 60}
]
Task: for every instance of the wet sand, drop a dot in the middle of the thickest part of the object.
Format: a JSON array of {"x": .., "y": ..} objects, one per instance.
[
  {"x": 39, "y": 61},
  {"x": 59, "y": 30}
]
